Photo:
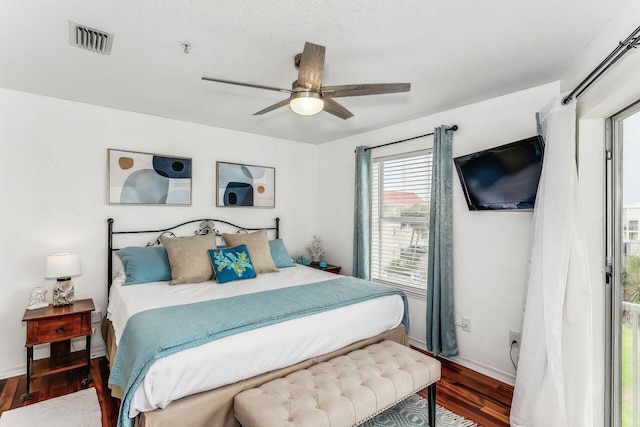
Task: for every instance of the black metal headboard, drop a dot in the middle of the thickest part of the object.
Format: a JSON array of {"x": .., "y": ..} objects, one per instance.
[{"x": 207, "y": 226}]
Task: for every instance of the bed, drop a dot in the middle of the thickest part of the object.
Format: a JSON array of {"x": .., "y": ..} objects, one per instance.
[{"x": 196, "y": 385}]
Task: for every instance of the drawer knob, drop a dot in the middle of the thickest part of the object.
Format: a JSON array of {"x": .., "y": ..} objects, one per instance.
[{"x": 59, "y": 329}]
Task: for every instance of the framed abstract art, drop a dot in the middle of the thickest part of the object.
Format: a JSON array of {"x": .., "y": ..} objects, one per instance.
[
  {"x": 241, "y": 185},
  {"x": 148, "y": 179}
]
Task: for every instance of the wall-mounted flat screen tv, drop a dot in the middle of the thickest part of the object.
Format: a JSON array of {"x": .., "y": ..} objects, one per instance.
[{"x": 504, "y": 177}]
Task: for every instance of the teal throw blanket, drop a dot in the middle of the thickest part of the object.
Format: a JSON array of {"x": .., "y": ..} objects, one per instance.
[{"x": 152, "y": 334}]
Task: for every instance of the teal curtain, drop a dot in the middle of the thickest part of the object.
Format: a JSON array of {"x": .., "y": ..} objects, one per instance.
[
  {"x": 362, "y": 214},
  {"x": 441, "y": 332}
]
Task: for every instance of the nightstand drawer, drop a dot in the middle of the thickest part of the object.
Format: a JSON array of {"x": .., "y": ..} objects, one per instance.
[{"x": 56, "y": 329}]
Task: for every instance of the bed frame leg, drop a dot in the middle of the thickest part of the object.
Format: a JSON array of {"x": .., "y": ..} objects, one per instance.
[{"x": 431, "y": 393}]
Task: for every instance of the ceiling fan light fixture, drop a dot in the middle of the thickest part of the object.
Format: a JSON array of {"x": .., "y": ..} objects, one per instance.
[
  {"x": 307, "y": 96},
  {"x": 306, "y": 103}
]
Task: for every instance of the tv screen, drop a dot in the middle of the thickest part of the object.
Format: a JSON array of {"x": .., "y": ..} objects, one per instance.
[{"x": 504, "y": 177}]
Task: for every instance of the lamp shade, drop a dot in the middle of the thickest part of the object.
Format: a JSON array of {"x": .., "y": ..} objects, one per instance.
[
  {"x": 62, "y": 265},
  {"x": 306, "y": 103}
]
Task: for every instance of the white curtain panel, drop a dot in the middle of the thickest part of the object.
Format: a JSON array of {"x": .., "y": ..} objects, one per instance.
[{"x": 554, "y": 378}]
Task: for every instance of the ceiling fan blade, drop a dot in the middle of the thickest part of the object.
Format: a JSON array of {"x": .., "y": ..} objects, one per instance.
[
  {"x": 311, "y": 65},
  {"x": 364, "y": 89},
  {"x": 273, "y": 107},
  {"x": 277, "y": 89},
  {"x": 332, "y": 107}
]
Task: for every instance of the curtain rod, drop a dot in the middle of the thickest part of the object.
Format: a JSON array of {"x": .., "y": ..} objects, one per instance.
[
  {"x": 453, "y": 128},
  {"x": 622, "y": 49}
]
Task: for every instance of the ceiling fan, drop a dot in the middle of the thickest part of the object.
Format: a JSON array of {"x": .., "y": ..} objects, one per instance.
[{"x": 307, "y": 96}]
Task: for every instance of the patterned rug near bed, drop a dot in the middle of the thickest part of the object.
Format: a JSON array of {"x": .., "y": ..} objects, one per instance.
[{"x": 414, "y": 411}]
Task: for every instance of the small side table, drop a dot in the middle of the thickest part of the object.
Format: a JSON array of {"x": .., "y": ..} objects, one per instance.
[
  {"x": 56, "y": 326},
  {"x": 335, "y": 269}
]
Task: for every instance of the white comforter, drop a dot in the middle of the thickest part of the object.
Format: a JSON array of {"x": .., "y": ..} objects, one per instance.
[{"x": 237, "y": 357}]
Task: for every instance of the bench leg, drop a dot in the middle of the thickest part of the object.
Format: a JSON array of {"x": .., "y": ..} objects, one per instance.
[{"x": 431, "y": 394}]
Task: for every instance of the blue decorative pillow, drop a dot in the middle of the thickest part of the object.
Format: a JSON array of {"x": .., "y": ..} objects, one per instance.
[
  {"x": 144, "y": 265},
  {"x": 232, "y": 263},
  {"x": 279, "y": 254}
]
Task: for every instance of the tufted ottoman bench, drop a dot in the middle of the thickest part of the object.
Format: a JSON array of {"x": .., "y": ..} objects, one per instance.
[{"x": 345, "y": 391}]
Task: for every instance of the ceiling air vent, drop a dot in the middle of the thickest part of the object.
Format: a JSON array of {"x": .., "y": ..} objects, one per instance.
[{"x": 90, "y": 38}]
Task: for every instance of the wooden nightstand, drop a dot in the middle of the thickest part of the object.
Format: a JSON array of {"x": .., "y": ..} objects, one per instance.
[
  {"x": 335, "y": 269},
  {"x": 56, "y": 326}
]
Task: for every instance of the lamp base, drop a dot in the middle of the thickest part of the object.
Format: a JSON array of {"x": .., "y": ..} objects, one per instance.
[{"x": 63, "y": 293}]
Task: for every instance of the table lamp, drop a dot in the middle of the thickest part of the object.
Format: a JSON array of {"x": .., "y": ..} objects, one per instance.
[{"x": 61, "y": 267}]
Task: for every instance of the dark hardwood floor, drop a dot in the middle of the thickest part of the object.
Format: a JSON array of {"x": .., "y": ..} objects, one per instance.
[
  {"x": 465, "y": 392},
  {"x": 43, "y": 388},
  {"x": 474, "y": 396}
]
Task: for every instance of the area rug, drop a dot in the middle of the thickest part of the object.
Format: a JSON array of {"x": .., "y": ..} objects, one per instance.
[
  {"x": 79, "y": 409},
  {"x": 414, "y": 411}
]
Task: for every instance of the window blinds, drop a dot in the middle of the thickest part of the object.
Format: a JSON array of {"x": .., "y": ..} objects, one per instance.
[{"x": 401, "y": 194}]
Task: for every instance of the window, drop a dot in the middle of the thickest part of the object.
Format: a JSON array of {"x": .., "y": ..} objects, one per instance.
[{"x": 401, "y": 194}]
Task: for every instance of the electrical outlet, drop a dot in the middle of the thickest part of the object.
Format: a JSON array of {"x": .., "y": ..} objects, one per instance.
[
  {"x": 514, "y": 336},
  {"x": 466, "y": 324},
  {"x": 96, "y": 316}
]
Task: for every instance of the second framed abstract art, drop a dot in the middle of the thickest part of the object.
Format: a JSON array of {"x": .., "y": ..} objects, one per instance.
[{"x": 241, "y": 185}]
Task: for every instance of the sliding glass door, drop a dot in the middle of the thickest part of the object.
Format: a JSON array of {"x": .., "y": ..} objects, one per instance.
[{"x": 624, "y": 258}]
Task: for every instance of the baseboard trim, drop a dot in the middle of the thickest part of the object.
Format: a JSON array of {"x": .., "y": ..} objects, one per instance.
[
  {"x": 98, "y": 352},
  {"x": 14, "y": 371},
  {"x": 487, "y": 370}
]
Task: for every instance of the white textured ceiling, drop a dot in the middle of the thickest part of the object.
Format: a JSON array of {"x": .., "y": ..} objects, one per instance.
[{"x": 453, "y": 52}]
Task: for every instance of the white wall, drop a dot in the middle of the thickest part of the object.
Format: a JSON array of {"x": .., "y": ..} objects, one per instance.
[
  {"x": 53, "y": 169},
  {"x": 490, "y": 248}
]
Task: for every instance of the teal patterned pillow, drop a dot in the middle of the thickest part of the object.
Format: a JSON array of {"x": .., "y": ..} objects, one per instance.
[{"x": 232, "y": 263}]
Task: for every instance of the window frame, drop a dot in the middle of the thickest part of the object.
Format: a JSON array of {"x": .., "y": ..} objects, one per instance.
[{"x": 415, "y": 291}]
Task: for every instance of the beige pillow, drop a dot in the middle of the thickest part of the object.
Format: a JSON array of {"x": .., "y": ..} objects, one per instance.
[
  {"x": 189, "y": 259},
  {"x": 258, "y": 246}
]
